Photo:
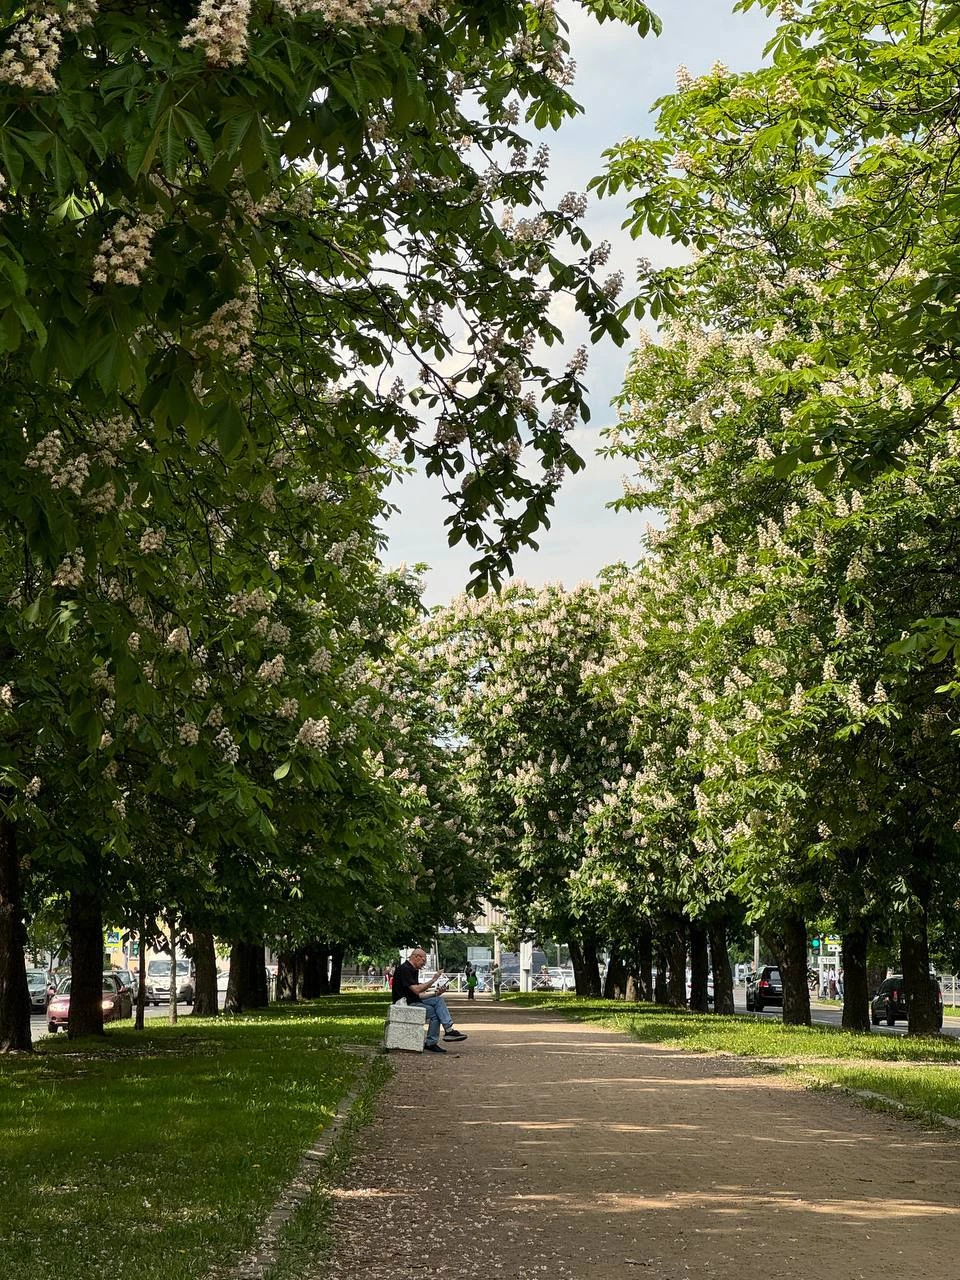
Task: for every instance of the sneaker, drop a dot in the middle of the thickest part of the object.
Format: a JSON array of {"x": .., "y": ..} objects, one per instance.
[
  {"x": 454, "y": 1035},
  {"x": 434, "y": 1048}
]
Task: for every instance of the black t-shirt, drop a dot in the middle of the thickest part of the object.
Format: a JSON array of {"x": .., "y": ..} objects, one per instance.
[{"x": 404, "y": 978}]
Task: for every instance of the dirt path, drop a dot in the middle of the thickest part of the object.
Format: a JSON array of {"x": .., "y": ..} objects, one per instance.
[{"x": 551, "y": 1149}]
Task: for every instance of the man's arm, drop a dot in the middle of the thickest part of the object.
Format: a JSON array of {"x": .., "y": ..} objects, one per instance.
[{"x": 421, "y": 987}]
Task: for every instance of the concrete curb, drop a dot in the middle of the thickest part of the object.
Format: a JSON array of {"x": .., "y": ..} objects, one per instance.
[
  {"x": 892, "y": 1104},
  {"x": 255, "y": 1264}
]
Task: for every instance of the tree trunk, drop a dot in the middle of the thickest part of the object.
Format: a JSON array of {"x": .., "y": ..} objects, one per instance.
[
  {"x": 644, "y": 952},
  {"x": 141, "y": 975},
  {"x": 661, "y": 992},
  {"x": 203, "y": 953},
  {"x": 615, "y": 983},
  {"x": 791, "y": 948},
  {"x": 722, "y": 973},
  {"x": 15, "y": 1033},
  {"x": 856, "y": 991},
  {"x": 247, "y": 984},
  {"x": 699, "y": 967},
  {"x": 174, "y": 982},
  {"x": 923, "y": 1013},
  {"x": 579, "y": 968},
  {"x": 591, "y": 964},
  {"x": 677, "y": 964},
  {"x": 336, "y": 967},
  {"x": 315, "y": 958},
  {"x": 288, "y": 975},
  {"x": 86, "y": 965}
]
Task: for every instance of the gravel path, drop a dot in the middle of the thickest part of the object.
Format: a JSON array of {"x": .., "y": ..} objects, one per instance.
[{"x": 544, "y": 1148}]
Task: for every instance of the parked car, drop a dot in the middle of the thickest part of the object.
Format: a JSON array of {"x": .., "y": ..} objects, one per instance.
[
  {"x": 158, "y": 982},
  {"x": 37, "y": 986},
  {"x": 562, "y": 979},
  {"x": 890, "y": 1003},
  {"x": 55, "y": 981},
  {"x": 117, "y": 1003},
  {"x": 129, "y": 980},
  {"x": 764, "y": 987}
]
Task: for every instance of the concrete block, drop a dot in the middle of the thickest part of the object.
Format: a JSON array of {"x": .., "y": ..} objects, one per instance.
[{"x": 406, "y": 1027}]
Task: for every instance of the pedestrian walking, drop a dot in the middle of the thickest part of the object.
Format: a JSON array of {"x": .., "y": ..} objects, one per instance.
[
  {"x": 496, "y": 978},
  {"x": 472, "y": 981}
]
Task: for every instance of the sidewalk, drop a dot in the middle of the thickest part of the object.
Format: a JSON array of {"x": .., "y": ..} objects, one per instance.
[{"x": 546, "y": 1148}]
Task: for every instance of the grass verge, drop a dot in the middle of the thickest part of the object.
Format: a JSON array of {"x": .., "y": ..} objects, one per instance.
[
  {"x": 912, "y": 1071},
  {"x": 158, "y": 1153},
  {"x": 305, "y": 1241}
]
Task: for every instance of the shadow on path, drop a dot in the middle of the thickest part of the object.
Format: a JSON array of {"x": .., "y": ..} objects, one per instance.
[{"x": 546, "y": 1148}]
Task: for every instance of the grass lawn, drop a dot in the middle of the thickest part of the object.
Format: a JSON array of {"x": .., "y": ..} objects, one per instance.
[
  {"x": 915, "y": 1072},
  {"x": 156, "y": 1154}
]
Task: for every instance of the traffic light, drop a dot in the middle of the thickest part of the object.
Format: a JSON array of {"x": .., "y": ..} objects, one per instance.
[{"x": 815, "y": 945}]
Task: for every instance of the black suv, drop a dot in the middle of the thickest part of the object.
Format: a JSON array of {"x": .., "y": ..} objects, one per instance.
[
  {"x": 764, "y": 987},
  {"x": 890, "y": 1002}
]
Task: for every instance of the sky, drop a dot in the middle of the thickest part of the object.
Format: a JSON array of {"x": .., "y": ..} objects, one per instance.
[{"x": 619, "y": 77}]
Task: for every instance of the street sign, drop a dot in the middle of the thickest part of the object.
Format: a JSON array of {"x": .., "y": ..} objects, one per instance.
[
  {"x": 833, "y": 943},
  {"x": 479, "y": 954},
  {"x": 112, "y": 937}
]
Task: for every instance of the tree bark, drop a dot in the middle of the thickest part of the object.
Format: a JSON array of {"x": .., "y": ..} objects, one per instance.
[
  {"x": 661, "y": 992},
  {"x": 203, "y": 953},
  {"x": 174, "y": 983},
  {"x": 316, "y": 981},
  {"x": 856, "y": 990},
  {"x": 923, "y": 1013},
  {"x": 722, "y": 973},
  {"x": 699, "y": 967},
  {"x": 615, "y": 983},
  {"x": 644, "y": 951},
  {"x": 791, "y": 950},
  {"x": 677, "y": 964},
  {"x": 86, "y": 960},
  {"x": 15, "y": 1034},
  {"x": 579, "y": 967},
  {"x": 591, "y": 964},
  {"x": 141, "y": 975},
  {"x": 288, "y": 975},
  {"x": 336, "y": 967},
  {"x": 247, "y": 984}
]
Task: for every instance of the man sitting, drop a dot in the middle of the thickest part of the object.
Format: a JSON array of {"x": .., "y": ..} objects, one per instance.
[{"x": 407, "y": 986}]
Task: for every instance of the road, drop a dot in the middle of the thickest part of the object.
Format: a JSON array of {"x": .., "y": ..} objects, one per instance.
[
  {"x": 38, "y": 1021},
  {"x": 829, "y": 1016}
]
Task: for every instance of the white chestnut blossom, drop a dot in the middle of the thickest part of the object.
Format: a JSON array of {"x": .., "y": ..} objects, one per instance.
[
  {"x": 314, "y": 735},
  {"x": 220, "y": 28},
  {"x": 124, "y": 253}
]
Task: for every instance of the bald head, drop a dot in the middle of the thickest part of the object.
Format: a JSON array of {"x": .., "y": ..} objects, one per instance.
[{"x": 418, "y": 957}]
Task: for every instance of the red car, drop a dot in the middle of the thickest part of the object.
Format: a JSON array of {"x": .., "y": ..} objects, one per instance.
[{"x": 117, "y": 1003}]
